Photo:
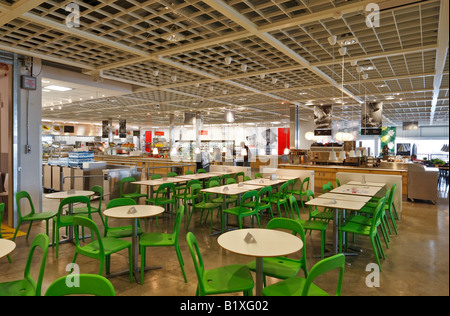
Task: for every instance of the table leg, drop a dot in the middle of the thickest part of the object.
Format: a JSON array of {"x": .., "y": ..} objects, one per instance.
[
  {"x": 259, "y": 276},
  {"x": 134, "y": 248}
]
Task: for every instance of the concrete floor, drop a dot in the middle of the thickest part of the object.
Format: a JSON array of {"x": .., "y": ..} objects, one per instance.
[{"x": 417, "y": 262}]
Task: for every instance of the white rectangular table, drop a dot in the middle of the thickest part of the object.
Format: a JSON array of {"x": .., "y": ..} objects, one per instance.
[
  {"x": 157, "y": 182},
  {"x": 231, "y": 189},
  {"x": 370, "y": 184},
  {"x": 339, "y": 205},
  {"x": 345, "y": 197},
  {"x": 357, "y": 190},
  {"x": 264, "y": 182}
]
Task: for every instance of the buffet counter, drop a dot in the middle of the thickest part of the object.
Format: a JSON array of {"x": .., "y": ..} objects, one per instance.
[{"x": 325, "y": 174}]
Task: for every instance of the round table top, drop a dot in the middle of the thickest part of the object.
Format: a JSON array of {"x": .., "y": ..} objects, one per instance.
[
  {"x": 269, "y": 242},
  {"x": 6, "y": 247},
  {"x": 142, "y": 211},
  {"x": 66, "y": 194}
]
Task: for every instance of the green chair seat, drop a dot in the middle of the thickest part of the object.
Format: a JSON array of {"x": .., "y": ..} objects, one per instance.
[
  {"x": 235, "y": 278},
  {"x": 280, "y": 267},
  {"x": 222, "y": 280},
  {"x": 39, "y": 216},
  {"x": 122, "y": 231},
  {"x": 293, "y": 287},
  {"x": 133, "y": 195}
]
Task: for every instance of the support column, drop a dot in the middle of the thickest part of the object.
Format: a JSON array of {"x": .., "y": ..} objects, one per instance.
[{"x": 294, "y": 126}]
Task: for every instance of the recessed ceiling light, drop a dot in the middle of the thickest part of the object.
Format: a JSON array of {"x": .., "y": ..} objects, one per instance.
[{"x": 58, "y": 88}]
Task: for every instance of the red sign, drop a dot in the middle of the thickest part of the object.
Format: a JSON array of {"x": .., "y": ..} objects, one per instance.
[
  {"x": 203, "y": 132},
  {"x": 159, "y": 133}
]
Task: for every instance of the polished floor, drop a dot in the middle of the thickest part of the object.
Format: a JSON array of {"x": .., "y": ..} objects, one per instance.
[{"x": 417, "y": 262}]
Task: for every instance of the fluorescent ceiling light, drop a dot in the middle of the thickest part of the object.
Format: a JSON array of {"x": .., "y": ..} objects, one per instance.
[{"x": 58, "y": 88}]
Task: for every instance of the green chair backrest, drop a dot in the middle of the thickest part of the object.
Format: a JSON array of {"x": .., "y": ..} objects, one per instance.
[
  {"x": 391, "y": 195},
  {"x": 188, "y": 172},
  {"x": 201, "y": 171},
  {"x": 265, "y": 192},
  {"x": 338, "y": 183},
  {"x": 247, "y": 178},
  {"x": 172, "y": 174},
  {"x": 324, "y": 266},
  {"x": 231, "y": 181},
  {"x": 310, "y": 194},
  {"x": 327, "y": 187},
  {"x": 89, "y": 284},
  {"x": 213, "y": 183},
  {"x": 217, "y": 179},
  {"x": 99, "y": 190},
  {"x": 250, "y": 195},
  {"x": 294, "y": 206},
  {"x": 126, "y": 180},
  {"x": 156, "y": 176},
  {"x": 376, "y": 218},
  {"x": 72, "y": 200},
  {"x": 258, "y": 175},
  {"x": 178, "y": 220},
  {"x": 291, "y": 225},
  {"x": 41, "y": 241},
  {"x": 24, "y": 195},
  {"x": 197, "y": 259},
  {"x": 283, "y": 190},
  {"x": 120, "y": 202},
  {"x": 305, "y": 181},
  {"x": 164, "y": 190},
  {"x": 84, "y": 222}
]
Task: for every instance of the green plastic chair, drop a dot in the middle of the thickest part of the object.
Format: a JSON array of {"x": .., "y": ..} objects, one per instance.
[
  {"x": 207, "y": 204},
  {"x": 302, "y": 192},
  {"x": 222, "y": 280},
  {"x": 338, "y": 183},
  {"x": 67, "y": 220},
  {"x": 265, "y": 192},
  {"x": 184, "y": 193},
  {"x": 247, "y": 178},
  {"x": 172, "y": 174},
  {"x": 2, "y": 210},
  {"x": 121, "y": 231},
  {"x": 311, "y": 225},
  {"x": 364, "y": 230},
  {"x": 231, "y": 199},
  {"x": 193, "y": 197},
  {"x": 32, "y": 216},
  {"x": 223, "y": 179},
  {"x": 291, "y": 183},
  {"x": 163, "y": 240},
  {"x": 241, "y": 211},
  {"x": 315, "y": 213},
  {"x": 155, "y": 177},
  {"x": 101, "y": 248},
  {"x": 135, "y": 194},
  {"x": 279, "y": 199},
  {"x": 188, "y": 172},
  {"x": 367, "y": 220},
  {"x": 327, "y": 187},
  {"x": 83, "y": 210},
  {"x": 89, "y": 284},
  {"x": 165, "y": 195},
  {"x": 28, "y": 286},
  {"x": 298, "y": 286},
  {"x": 258, "y": 175},
  {"x": 201, "y": 171},
  {"x": 283, "y": 267},
  {"x": 389, "y": 208}
]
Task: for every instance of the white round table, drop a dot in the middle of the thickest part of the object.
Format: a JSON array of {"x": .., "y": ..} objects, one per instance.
[
  {"x": 6, "y": 247},
  {"x": 260, "y": 243},
  {"x": 142, "y": 211}
]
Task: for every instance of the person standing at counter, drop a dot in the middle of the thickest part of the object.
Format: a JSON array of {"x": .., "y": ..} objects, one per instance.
[{"x": 246, "y": 157}]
